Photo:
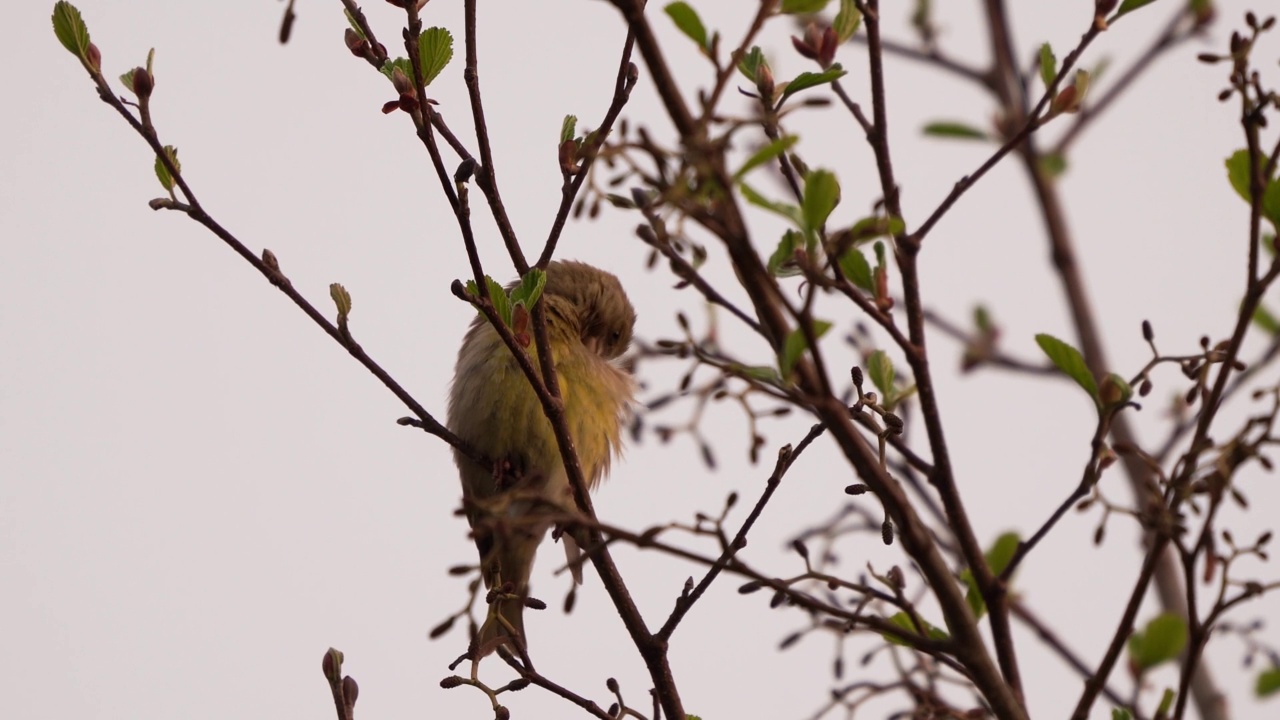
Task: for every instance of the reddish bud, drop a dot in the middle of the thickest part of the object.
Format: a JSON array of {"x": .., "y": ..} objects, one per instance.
[
  {"x": 93, "y": 56},
  {"x": 356, "y": 44},
  {"x": 143, "y": 83}
]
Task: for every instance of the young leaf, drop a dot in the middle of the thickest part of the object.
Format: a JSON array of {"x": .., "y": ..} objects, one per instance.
[
  {"x": 568, "y": 128},
  {"x": 1069, "y": 360},
  {"x": 998, "y": 556},
  {"x": 803, "y": 7},
  {"x": 355, "y": 26},
  {"x": 880, "y": 368},
  {"x": 806, "y": 80},
  {"x": 1268, "y": 682},
  {"x": 1120, "y": 714},
  {"x": 1048, "y": 65},
  {"x": 847, "y": 20},
  {"x": 1238, "y": 175},
  {"x": 1127, "y": 7},
  {"x": 498, "y": 296},
  {"x": 1265, "y": 321},
  {"x": 530, "y": 288},
  {"x": 751, "y": 62},
  {"x": 821, "y": 195},
  {"x": 162, "y": 172},
  {"x": 795, "y": 344},
  {"x": 791, "y": 212},
  {"x": 783, "y": 254},
  {"x": 855, "y": 267},
  {"x": 1053, "y": 164},
  {"x": 435, "y": 50},
  {"x": 1160, "y": 641},
  {"x": 952, "y": 129},
  {"x": 903, "y": 620},
  {"x": 70, "y": 29},
  {"x": 687, "y": 20},
  {"x": 766, "y": 154},
  {"x": 341, "y": 300}
]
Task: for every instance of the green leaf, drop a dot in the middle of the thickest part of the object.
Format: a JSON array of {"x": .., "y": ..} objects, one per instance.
[
  {"x": 855, "y": 267},
  {"x": 791, "y": 212},
  {"x": 1268, "y": 682},
  {"x": 783, "y": 254},
  {"x": 758, "y": 372},
  {"x": 501, "y": 302},
  {"x": 766, "y": 154},
  {"x": 568, "y": 128},
  {"x": 530, "y": 288},
  {"x": 1069, "y": 360},
  {"x": 1238, "y": 175},
  {"x": 803, "y": 7},
  {"x": 1166, "y": 703},
  {"x": 953, "y": 129},
  {"x": 806, "y": 80},
  {"x": 127, "y": 80},
  {"x": 821, "y": 195},
  {"x": 1048, "y": 66},
  {"x": 795, "y": 344},
  {"x": 880, "y": 368},
  {"x": 162, "y": 172},
  {"x": 1159, "y": 642},
  {"x": 751, "y": 62},
  {"x": 998, "y": 556},
  {"x": 1053, "y": 164},
  {"x": 686, "y": 18},
  {"x": 1265, "y": 321},
  {"x": 435, "y": 50},
  {"x": 1120, "y": 714},
  {"x": 903, "y": 620},
  {"x": 1127, "y": 7},
  {"x": 847, "y": 20},
  {"x": 70, "y": 29}
]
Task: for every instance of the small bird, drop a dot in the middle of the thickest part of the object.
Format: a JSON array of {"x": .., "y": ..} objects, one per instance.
[{"x": 493, "y": 408}]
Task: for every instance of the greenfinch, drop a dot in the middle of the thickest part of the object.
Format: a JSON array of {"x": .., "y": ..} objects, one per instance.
[{"x": 493, "y": 408}]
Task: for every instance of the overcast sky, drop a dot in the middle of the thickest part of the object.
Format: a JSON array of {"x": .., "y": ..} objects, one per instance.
[{"x": 200, "y": 492}]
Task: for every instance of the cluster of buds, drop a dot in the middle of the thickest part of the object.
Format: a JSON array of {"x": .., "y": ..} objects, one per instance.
[{"x": 818, "y": 44}]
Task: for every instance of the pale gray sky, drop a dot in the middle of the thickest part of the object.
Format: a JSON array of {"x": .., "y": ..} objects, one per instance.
[{"x": 200, "y": 492}]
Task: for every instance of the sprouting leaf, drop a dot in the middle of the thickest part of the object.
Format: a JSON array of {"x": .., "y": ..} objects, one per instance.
[
  {"x": 341, "y": 300},
  {"x": 751, "y": 62},
  {"x": 806, "y": 80},
  {"x": 1069, "y": 360},
  {"x": 1166, "y": 703},
  {"x": 1048, "y": 65},
  {"x": 880, "y": 368},
  {"x": 903, "y": 620},
  {"x": 876, "y": 226},
  {"x": 529, "y": 289},
  {"x": 766, "y": 154},
  {"x": 1127, "y": 7},
  {"x": 355, "y": 26},
  {"x": 953, "y": 129},
  {"x": 687, "y": 20},
  {"x": 795, "y": 345},
  {"x": 1268, "y": 682},
  {"x": 1120, "y": 714},
  {"x": 821, "y": 195},
  {"x": 568, "y": 128},
  {"x": 854, "y": 265},
  {"x": 435, "y": 50},
  {"x": 847, "y": 20},
  {"x": 162, "y": 172},
  {"x": 783, "y": 254},
  {"x": 1160, "y": 641},
  {"x": 390, "y": 66},
  {"x": 791, "y": 212},
  {"x": 501, "y": 301},
  {"x": 70, "y": 29}
]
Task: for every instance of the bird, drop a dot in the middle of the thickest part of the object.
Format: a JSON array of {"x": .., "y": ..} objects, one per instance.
[{"x": 494, "y": 409}]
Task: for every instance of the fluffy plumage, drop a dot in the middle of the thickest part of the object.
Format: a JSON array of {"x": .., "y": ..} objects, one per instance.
[{"x": 492, "y": 407}]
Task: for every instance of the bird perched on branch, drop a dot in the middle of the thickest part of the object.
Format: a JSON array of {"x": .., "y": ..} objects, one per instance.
[{"x": 493, "y": 408}]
